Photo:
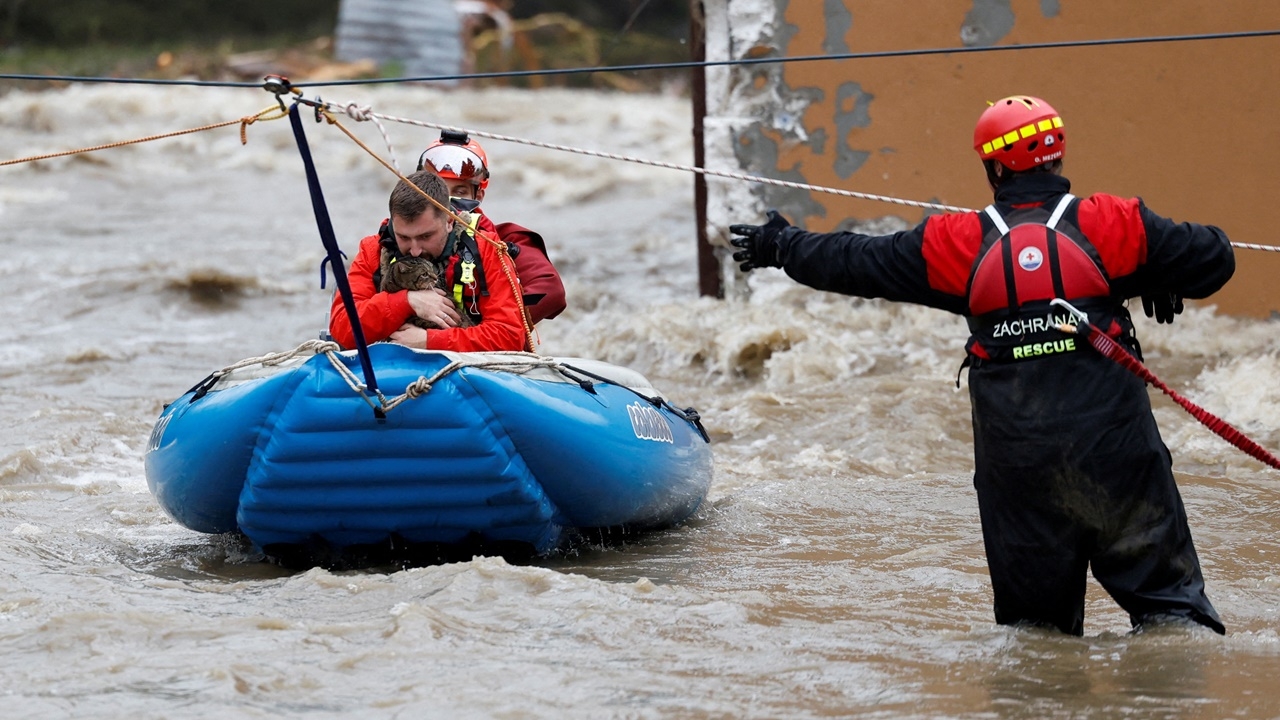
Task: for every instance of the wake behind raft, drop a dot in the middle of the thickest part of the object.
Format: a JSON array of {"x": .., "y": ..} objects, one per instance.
[{"x": 501, "y": 453}]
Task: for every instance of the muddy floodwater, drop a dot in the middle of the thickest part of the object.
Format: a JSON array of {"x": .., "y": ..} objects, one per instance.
[{"x": 836, "y": 570}]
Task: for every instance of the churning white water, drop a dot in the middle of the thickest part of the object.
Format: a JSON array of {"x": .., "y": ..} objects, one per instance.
[{"x": 836, "y": 570}]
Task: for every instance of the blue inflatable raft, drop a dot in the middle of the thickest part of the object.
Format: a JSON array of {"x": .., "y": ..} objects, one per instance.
[{"x": 502, "y": 450}]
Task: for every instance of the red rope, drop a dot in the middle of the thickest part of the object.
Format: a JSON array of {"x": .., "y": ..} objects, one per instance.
[{"x": 1104, "y": 344}]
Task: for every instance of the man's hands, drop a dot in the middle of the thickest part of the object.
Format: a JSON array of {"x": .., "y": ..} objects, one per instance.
[
  {"x": 435, "y": 307},
  {"x": 759, "y": 243},
  {"x": 1162, "y": 306},
  {"x": 409, "y": 336}
]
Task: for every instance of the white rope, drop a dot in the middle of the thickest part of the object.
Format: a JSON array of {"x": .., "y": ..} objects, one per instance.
[
  {"x": 369, "y": 114},
  {"x": 423, "y": 385},
  {"x": 352, "y": 380},
  {"x": 512, "y": 361},
  {"x": 669, "y": 166},
  {"x": 312, "y": 347},
  {"x": 1255, "y": 246},
  {"x": 364, "y": 113},
  {"x": 520, "y": 363}
]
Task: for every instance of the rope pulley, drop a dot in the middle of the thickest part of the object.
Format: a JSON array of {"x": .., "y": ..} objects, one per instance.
[{"x": 279, "y": 86}]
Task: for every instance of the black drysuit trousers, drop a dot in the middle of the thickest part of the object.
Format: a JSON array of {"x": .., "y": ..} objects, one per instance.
[{"x": 1071, "y": 473}]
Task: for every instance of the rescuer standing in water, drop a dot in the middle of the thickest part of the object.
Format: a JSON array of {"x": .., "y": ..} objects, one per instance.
[{"x": 1070, "y": 469}]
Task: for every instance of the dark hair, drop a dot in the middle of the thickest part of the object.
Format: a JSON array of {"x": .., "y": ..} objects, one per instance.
[{"x": 408, "y": 203}]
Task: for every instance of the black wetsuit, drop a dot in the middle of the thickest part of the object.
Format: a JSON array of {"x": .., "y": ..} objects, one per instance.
[{"x": 1070, "y": 469}]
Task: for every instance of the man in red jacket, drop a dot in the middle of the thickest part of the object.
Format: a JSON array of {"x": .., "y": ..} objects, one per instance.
[
  {"x": 464, "y": 166},
  {"x": 475, "y": 266},
  {"x": 1070, "y": 470}
]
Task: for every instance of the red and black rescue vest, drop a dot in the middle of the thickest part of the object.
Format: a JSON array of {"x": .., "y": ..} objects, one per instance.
[{"x": 1028, "y": 258}]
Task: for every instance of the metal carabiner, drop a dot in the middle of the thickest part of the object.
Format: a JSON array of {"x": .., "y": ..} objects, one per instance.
[{"x": 1079, "y": 316}]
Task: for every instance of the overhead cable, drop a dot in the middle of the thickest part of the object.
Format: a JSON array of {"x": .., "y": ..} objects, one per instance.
[{"x": 767, "y": 60}]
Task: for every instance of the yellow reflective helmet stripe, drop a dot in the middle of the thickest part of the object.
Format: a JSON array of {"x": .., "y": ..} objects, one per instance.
[{"x": 1021, "y": 133}]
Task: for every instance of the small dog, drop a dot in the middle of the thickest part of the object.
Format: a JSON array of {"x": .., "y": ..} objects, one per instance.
[{"x": 413, "y": 273}]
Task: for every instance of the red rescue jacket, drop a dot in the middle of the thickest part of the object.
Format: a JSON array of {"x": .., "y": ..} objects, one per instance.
[
  {"x": 540, "y": 283},
  {"x": 501, "y": 326}
]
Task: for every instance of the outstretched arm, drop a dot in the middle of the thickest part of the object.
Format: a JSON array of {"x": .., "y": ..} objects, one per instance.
[{"x": 871, "y": 266}]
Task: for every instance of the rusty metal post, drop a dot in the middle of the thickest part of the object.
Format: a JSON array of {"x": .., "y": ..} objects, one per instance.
[{"x": 709, "y": 281}]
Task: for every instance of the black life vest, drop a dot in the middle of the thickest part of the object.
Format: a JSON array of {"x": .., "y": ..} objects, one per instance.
[{"x": 1028, "y": 258}]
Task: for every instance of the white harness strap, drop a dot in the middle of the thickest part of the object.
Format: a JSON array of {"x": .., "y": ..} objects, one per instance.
[
  {"x": 1058, "y": 212},
  {"x": 994, "y": 214}
]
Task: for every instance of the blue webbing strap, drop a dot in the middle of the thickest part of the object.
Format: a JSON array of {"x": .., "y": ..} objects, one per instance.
[{"x": 334, "y": 253}]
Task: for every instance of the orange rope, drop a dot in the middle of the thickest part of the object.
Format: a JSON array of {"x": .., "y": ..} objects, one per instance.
[
  {"x": 503, "y": 255},
  {"x": 244, "y": 122}
]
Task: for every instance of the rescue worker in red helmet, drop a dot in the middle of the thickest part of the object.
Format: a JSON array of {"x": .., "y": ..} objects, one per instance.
[
  {"x": 464, "y": 166},
  {"x": 474, "y": 266},
  {"x": 1070, "y": 469}
]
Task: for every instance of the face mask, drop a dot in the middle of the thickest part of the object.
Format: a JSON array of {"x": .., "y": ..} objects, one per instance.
[{"x": 464, "y": 204}]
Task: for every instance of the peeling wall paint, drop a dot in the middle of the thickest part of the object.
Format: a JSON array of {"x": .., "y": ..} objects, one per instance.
[
  {"x": 853, "y": 110},
  {"x": 838, "y": 20},
  {"x": 1142, "y": 118},
  {"x": 987, "y": 23}
]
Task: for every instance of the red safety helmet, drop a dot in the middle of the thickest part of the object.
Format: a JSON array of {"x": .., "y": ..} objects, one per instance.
[
  {"x": 457, "y": 157},
  {"x": 1020, "y": 132}
]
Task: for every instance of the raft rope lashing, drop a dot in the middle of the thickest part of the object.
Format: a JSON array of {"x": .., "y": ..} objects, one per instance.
[
  {"x": 520, "y": 363},
  {"x": 423, "y": 385},
  {"x": 1113, "y": 350},
  {"x": 689, "y": 415},
  {"x": 310, "y": 347}
]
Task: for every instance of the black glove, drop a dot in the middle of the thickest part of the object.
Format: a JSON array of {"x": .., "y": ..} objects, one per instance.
[
  {"x": 759, "y": 243},
  {"x": 1162, "y": 306}
]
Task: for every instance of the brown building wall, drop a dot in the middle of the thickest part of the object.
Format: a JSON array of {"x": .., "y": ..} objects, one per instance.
[{"x": 1191, "y": 127}]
